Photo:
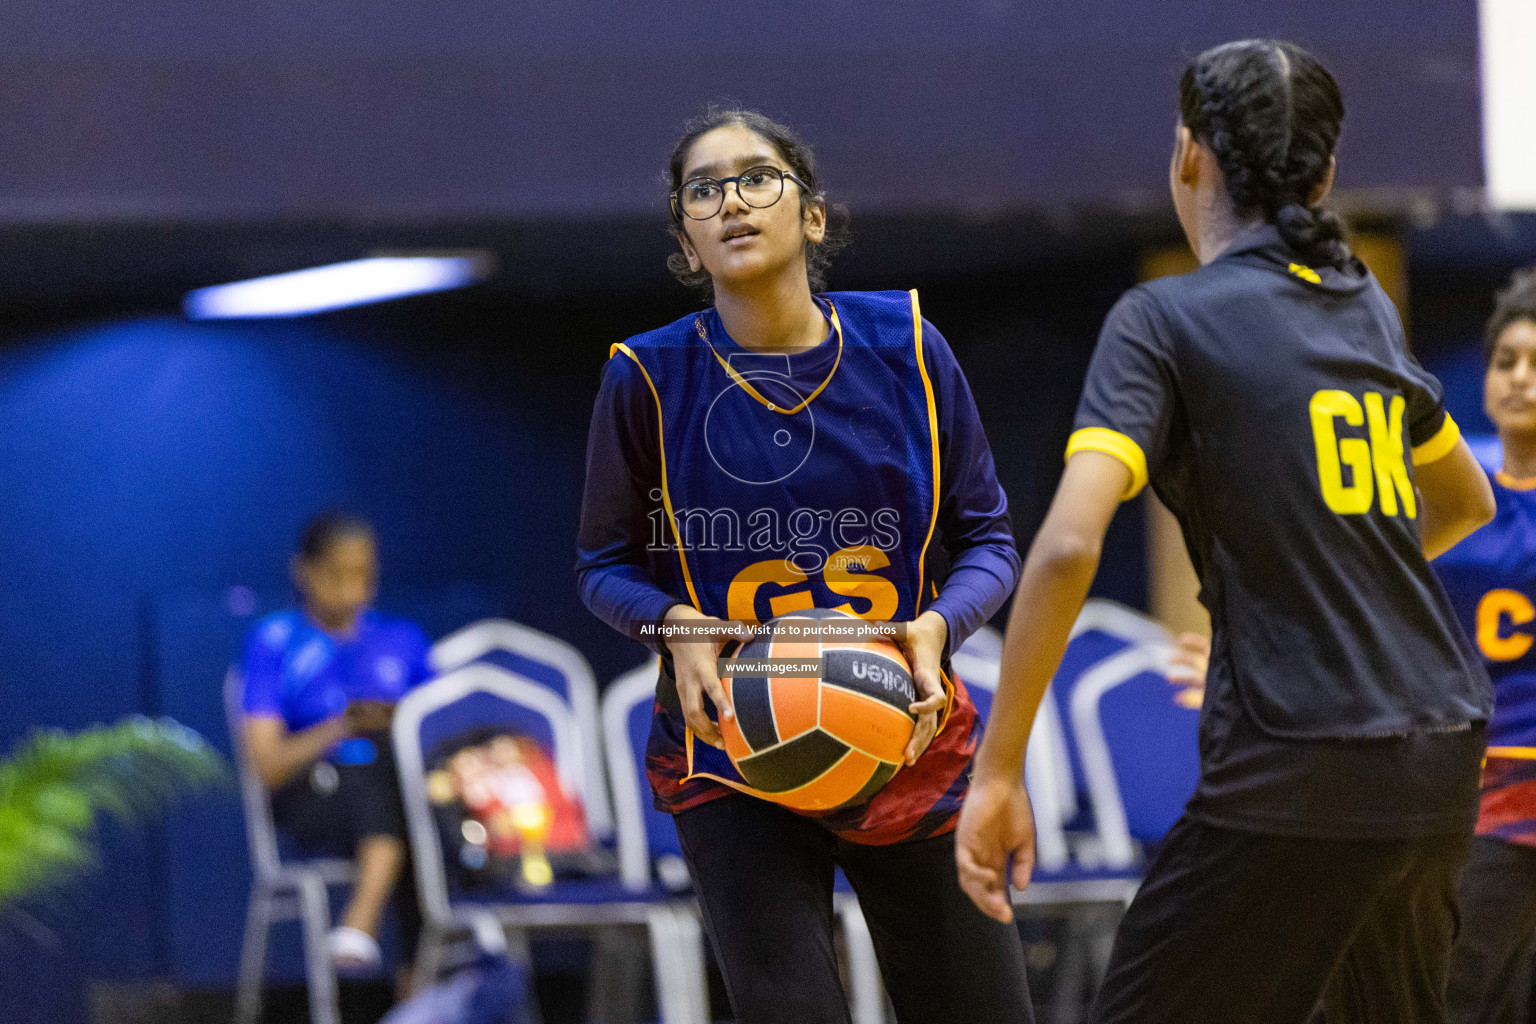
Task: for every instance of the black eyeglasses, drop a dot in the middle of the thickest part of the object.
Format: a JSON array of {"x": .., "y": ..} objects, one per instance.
[{"x": 759, "y": 187}]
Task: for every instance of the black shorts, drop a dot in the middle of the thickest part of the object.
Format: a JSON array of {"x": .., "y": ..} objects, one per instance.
[
  {"x": 1235, "y": 926},
  {"x": 1498, "y": 919},
  {"x": 764, "y": 877},
  {"x": 330, "y": 807}
]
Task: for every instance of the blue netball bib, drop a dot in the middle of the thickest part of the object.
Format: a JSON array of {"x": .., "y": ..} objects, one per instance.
[
  {"x": 1491, "y": 580},
  {"x": 796, "y": 481}
]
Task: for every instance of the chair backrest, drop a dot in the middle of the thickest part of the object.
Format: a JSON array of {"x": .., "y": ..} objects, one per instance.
[
  {"x": 476, "y": 696},
  {"x": 986, "y": 644},
  {"x": 260, "y": 832},
  {"x": 1154, "y": 747},
  {"x": 980, "y": 659},
  {"x": 1102, "y": 629},
  {"x": 645, "y": 834},
  {"x": 1116, "y": 620},
  {"x": 1136, "y": 742},
  {"x": 1047, "y": 775},
  {"x": 552, "y": 663}
]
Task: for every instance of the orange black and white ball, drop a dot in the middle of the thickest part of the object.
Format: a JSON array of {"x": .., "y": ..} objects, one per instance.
[{"x": 817, "y": 744}]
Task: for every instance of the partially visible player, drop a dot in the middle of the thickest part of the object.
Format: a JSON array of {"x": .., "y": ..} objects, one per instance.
[
  {"x": 321, "y": 682},
  {"x": 1270, "y": 399},
  {"x": 787, "y": 449},
  {"x": 1491, "y": 579}
]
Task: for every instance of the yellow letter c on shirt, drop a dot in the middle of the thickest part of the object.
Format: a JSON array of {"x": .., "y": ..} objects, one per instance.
[{"x": 1492, "y": 611}]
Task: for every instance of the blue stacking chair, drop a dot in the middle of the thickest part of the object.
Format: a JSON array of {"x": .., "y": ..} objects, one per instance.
[
  {"x": 1103, "y": 631},
  {"x": 1081, "y": 873},
  {"x": 553, "y": 663},
  {"x": 1047, "y": 774},
  {"x": 647, "y": 839},
  {"x": 1062, "y": 876},
  {"x": 1085, "y": 893},
  {"x": 648, "y": 843},
  {"x": 479, "y": 695},
  {"x": 282, "y": 888},
  {"x": 1139, "y": 747}
]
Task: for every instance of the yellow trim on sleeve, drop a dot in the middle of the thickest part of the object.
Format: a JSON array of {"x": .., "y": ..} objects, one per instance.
[
  {"x": 1114, "y": 444},
  {"x": 1439, "y": 446}
]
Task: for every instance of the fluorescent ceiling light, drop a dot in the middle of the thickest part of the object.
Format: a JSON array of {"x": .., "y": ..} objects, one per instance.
[
  {"x": 337, "y": 286},
  {"x": 1508, "y": 31}
]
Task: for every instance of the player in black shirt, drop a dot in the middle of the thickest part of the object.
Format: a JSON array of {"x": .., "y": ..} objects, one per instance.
[{"x": 1270, "y": 400}]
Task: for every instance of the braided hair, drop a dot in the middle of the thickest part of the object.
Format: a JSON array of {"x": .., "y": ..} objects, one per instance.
[{"x": 1271, "y": 115}]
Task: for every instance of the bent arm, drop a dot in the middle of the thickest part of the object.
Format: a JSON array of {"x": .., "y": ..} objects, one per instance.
[
  {"x": 1060, "y": 568},
  {"x": 1456, "y": 499},
  {"x": 278, "y": 756}
]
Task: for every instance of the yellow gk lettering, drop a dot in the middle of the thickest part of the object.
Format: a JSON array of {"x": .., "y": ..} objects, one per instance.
[
  {"x": 1333, "y": 454},
  {"x": 1500, "y": 610},
  {"x": 1392, "y": 480},
  {"x": 1375, "y": 467}
]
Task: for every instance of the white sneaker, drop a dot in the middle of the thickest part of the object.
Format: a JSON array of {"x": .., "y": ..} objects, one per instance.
[{"x": 352, "y": 950}]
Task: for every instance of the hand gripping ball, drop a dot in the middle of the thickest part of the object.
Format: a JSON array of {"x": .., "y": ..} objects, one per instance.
[{"x": 817, "y": 744}]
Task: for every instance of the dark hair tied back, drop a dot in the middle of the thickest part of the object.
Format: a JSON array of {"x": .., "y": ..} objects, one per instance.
[
  {"x": 1515, "y": 303},
  {"x": 1271, "y": 114},
  {"x": 801, "y": 160},
  {"x": 326, "y": 529}
]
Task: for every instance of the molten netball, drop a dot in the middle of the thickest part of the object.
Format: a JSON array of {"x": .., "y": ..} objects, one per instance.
[{"x": 819, "y": 743}]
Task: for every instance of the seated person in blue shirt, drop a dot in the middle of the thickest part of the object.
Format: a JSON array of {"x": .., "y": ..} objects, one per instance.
[{"x": 321, "y": 683}]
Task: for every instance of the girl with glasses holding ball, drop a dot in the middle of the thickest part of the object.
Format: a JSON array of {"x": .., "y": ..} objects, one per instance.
[{"x": 783, "y": 450}]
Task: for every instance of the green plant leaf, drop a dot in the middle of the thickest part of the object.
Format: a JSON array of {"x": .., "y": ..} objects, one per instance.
[{"x": 55, "y": 786}]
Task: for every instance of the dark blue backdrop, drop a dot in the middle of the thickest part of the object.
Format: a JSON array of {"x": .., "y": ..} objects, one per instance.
[{"x": 470, "y": 108}]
